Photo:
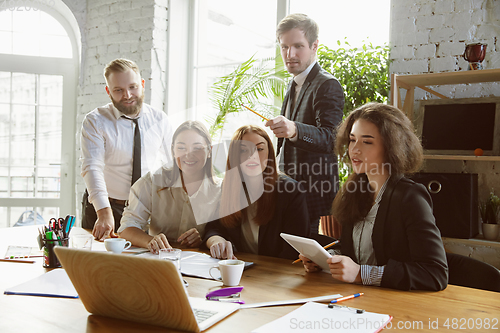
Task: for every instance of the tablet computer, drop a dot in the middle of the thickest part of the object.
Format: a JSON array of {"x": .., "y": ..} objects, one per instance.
[{"x": 309, "y": 248}]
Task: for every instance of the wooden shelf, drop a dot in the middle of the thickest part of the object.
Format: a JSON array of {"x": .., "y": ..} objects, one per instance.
[
  {"x": 431, "y": 79},
  {"x": 409, "y": 82},
  {"x": 462, "y": 158},
  {"x": 422, "y": 81}
]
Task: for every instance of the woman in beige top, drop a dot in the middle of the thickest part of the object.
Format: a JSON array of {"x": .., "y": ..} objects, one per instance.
[{"x": 175, "y": 203}]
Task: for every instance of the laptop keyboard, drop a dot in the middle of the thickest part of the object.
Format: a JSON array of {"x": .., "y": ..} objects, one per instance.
[{"x": 201, "y": 315}]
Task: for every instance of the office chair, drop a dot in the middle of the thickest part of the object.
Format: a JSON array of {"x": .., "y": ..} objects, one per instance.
[
  {"x": 469, "y": 272},
  {"x": 29, "y": 217}
]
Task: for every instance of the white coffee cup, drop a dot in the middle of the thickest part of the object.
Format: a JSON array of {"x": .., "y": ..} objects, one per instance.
[
  {"x": 116, "y": 245},
  {"x": 230, "y": 271}
]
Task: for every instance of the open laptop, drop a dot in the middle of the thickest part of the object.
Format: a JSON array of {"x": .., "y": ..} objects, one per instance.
[{"x": 144, "y": 290}]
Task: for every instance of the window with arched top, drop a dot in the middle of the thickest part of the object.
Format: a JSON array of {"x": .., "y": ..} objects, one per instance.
[
  {"x": 33, "y": 33},
  {"x": 38, "y": 71}
]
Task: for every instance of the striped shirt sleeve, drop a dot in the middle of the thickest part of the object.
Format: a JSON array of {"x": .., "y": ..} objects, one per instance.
[{"x": 371, "y": 275}]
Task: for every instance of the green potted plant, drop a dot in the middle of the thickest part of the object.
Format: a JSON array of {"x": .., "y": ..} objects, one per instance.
[
  {"x": 363, "y": 73},
  {"x": 253, "y": 83},
  {"x": 490, "y": 216}
]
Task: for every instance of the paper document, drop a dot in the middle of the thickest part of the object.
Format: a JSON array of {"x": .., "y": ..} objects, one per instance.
[
  {"x": 17, "y": 252},
  {"x": 55, "y": 283},
  {"x": 193, "y": 264},
  {"x": 196, "y": 264},
  {"x": 315, "y": 317}
]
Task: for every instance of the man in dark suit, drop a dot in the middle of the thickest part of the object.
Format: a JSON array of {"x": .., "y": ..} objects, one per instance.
[{"x": 311, "y": 111}]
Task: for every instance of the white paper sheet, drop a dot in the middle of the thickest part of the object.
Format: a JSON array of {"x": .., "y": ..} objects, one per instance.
[
  {"x": 55, "y": 283},
  {"x": 316, "y": 317},
  {"x": 193, "y": 264}
]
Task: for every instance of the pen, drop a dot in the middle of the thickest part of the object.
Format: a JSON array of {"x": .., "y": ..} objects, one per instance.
[
  {"x": 340, "y": 299},
  {"x": 325, "y": 247},
  {"x": 255, "y": 112},
  {"x": 15, "y": 260}
]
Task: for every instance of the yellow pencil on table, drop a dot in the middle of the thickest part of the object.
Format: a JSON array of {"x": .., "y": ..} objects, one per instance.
[
  {"x": 325, "y": 247},
  {"x": 255, "y": 112}
]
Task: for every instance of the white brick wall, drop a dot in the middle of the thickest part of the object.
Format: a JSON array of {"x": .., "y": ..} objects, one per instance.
[
  {"x": 425, "y": 51},
  {"x": 450, "y": 49},
  {"x": 438, "y": 30}
]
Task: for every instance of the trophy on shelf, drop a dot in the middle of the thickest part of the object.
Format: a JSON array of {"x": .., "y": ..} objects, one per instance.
[{"x": 474, "y": 54}]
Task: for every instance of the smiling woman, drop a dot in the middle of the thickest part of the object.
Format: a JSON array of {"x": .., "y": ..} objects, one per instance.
[
  {"x": 174, "y": 203},
  {"x": 257, "y": 202}
]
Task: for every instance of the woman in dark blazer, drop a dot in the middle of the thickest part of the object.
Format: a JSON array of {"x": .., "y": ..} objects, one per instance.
[
  {"x": 389, "y": 236},
  {"x": 257, "y": 203}
]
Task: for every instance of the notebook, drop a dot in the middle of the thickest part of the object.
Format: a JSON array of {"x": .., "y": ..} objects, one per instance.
[{"x": 144, "y": 290}]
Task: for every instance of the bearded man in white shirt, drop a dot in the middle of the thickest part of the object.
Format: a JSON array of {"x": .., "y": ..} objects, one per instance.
[{"x": 113, "y": 136}]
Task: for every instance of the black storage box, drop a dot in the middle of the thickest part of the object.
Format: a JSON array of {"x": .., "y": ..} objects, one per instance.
[{"x": 454, "y": 196}]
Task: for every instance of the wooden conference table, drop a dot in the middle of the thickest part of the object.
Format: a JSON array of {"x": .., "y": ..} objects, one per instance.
[{"x": 270, "y": 279}]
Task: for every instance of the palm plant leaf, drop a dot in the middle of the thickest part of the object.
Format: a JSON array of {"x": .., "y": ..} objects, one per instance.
[{"x": 250, "y": 82}]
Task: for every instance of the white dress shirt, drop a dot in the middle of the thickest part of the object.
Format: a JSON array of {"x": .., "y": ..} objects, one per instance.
[
  {"x": 299, "y": 81},
  {"x": 161, "y": 208},
  {"x": 107, "y": 143}
]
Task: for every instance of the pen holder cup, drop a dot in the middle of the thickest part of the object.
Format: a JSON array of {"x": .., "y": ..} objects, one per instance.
[{"x": 49, "y": 257}]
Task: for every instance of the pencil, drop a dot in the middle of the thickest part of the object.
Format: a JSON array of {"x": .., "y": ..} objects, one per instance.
[
  {"x": 255, "y": 112},
  {"x": 15, "y": 260},
  {"x": 325, "y": 247},
  {"x": 346, "y": 298}
]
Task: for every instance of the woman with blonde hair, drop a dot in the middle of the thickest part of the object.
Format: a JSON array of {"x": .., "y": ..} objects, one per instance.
[
  {"x": 175, "y": 203},
  {"x": 257, "y": 202},
  {"x": 389, "y": 235}
]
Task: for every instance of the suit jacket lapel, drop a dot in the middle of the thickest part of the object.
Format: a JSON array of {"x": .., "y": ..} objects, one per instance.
[
  {"x": 307, "y": 83},
  {"x": 380, "y": 220},
  {"x": 346, "y": 242},
  {"x": 287, "y": 97}
]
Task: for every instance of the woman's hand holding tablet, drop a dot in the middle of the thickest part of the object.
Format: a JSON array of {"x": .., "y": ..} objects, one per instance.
[{"x": 309, "y": 248}]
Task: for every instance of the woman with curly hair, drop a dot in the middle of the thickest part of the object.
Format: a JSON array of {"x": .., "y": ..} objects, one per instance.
[{"x": 389, "y": 235}]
